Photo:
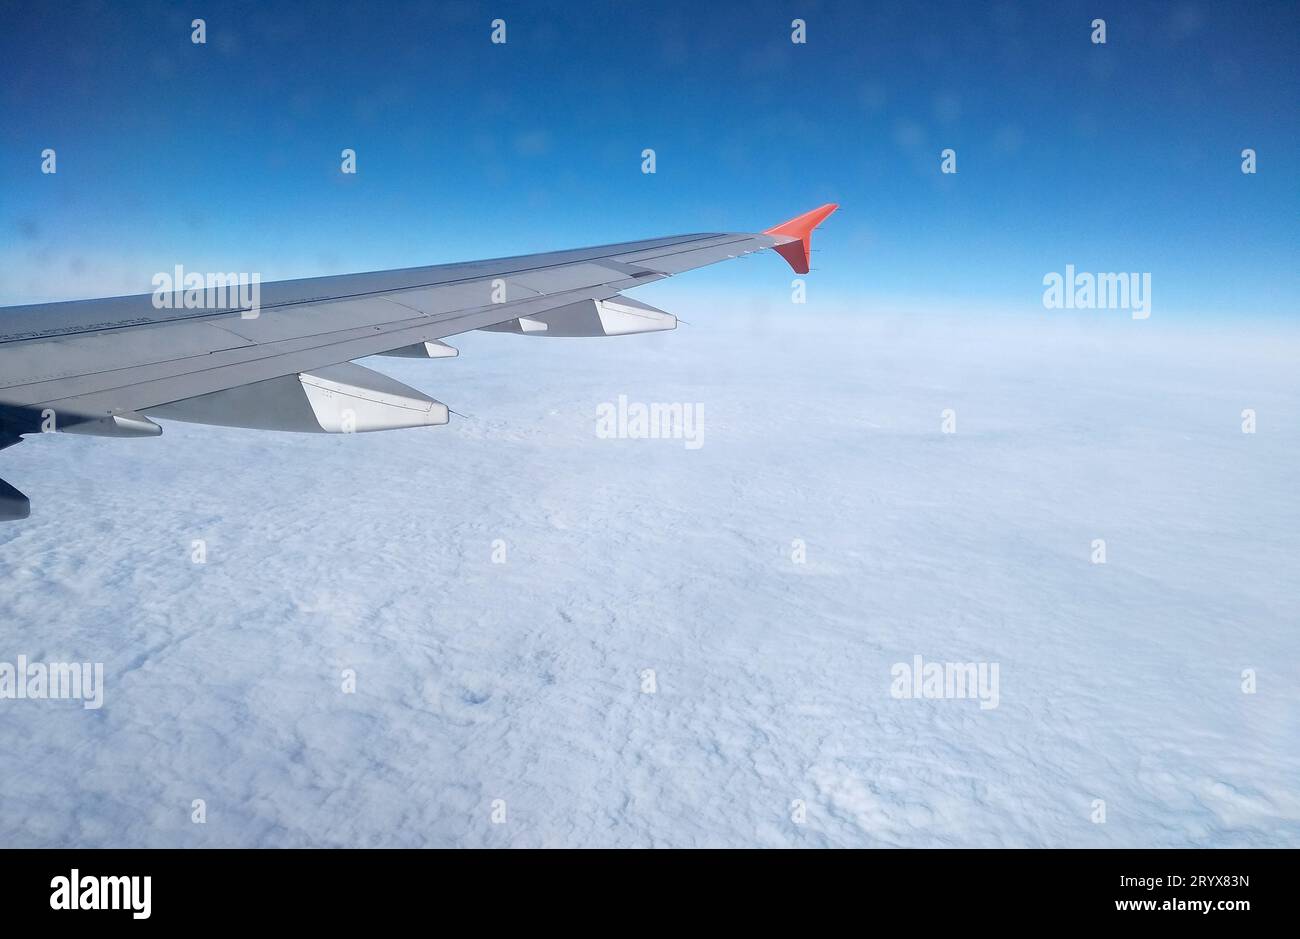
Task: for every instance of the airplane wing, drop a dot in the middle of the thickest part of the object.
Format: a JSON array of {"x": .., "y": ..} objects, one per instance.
[{"x": 278, "y": 356}]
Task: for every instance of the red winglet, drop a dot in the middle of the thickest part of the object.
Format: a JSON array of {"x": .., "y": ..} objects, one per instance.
[{"x": 799, "y": 253}]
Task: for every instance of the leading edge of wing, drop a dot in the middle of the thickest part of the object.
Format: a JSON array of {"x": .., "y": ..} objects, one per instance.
[{"x": 69, "y": 317}]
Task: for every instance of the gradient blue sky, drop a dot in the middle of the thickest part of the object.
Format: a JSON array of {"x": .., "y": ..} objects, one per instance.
[{"x": 1122, "y": 157}]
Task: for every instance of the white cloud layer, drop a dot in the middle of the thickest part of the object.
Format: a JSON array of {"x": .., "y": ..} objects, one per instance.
[{"x": 522, "y": 681}]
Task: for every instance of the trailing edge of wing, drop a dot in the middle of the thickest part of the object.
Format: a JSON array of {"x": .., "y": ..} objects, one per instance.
[{"x": 337, "y": 399}]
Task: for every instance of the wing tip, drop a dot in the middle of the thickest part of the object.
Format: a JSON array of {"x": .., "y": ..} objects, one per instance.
[{"x": 798, "y": 253}]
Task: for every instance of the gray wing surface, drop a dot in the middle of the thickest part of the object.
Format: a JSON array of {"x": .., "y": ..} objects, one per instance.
[
  {"x": 90, "y": 358},
  {"x": 106, "y": 366}
]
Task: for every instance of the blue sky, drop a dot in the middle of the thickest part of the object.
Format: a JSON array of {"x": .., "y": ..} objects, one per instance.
[{"x": 225, "y": 156}]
